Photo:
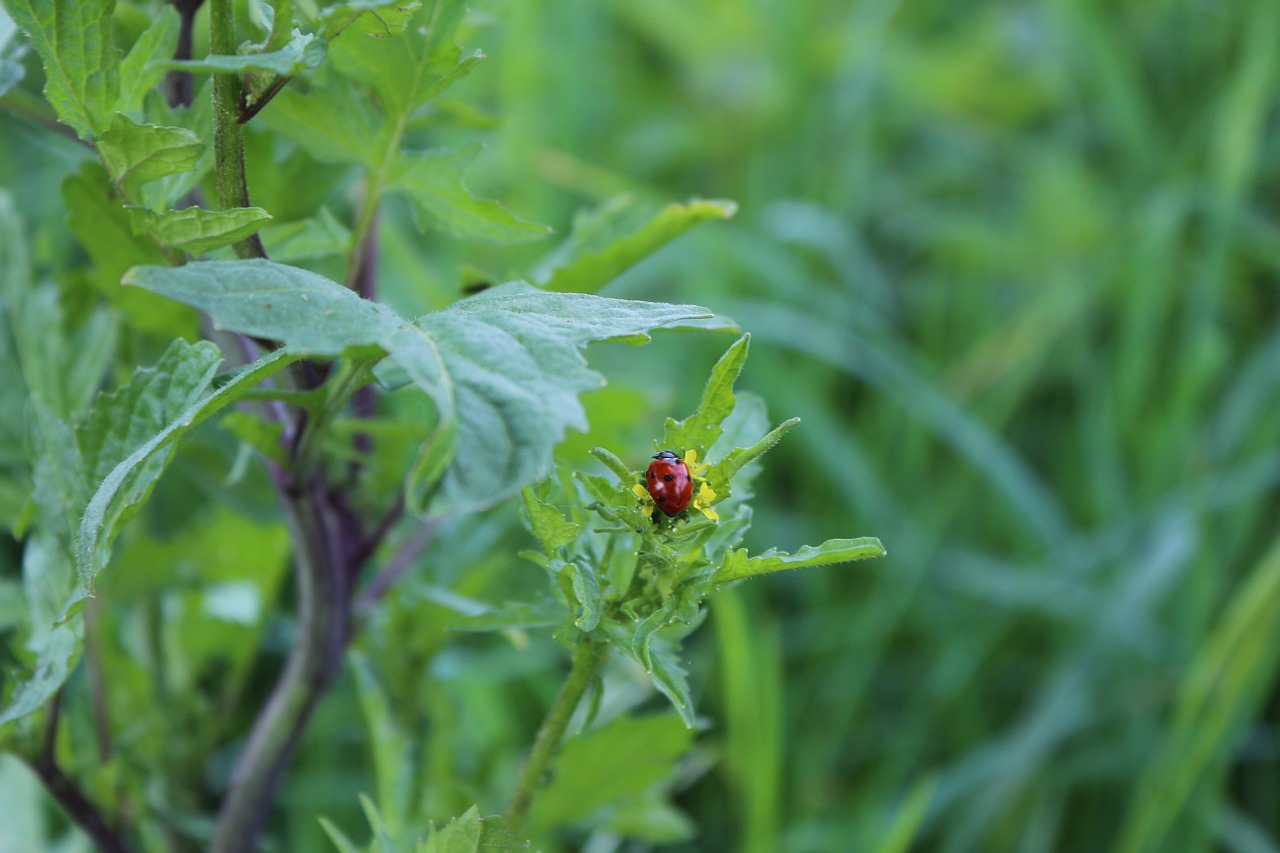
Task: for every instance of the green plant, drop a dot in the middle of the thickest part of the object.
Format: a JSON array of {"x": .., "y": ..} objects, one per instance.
[{"x": 374, "y": 430}]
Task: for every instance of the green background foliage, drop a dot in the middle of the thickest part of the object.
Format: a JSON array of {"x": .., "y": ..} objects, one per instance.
[{"x": 1012, "y": 264}]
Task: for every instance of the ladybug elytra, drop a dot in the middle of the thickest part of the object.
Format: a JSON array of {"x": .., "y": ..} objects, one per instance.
[{"x": 669, "y": 482}]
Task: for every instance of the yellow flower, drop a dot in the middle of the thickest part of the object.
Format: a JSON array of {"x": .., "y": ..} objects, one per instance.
[
  {"x": 703, "y": 494},
  {"x": 646, "y": 500}
]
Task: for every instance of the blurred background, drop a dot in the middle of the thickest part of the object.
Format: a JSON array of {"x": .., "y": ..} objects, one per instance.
[{"x": 1014, "y": 265}]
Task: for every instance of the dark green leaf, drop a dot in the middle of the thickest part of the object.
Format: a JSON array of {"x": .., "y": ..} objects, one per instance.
[
  {"x": 81, "y": 63},
  {"x": 737, "y": 565},
  {"x": 196, "y": 230},
  {"x": 597, "y": 252},
  {"x": 432, "y": 181},
  {"x": 137, "y": 153}
]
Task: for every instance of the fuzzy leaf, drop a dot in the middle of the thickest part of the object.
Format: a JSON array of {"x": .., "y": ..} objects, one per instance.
[
  {"x": 157, "y": 42},
  {"x": 702, "y": 429},
  {"x": 432, "y": 181},
  {"x": 130, "y": 482},
  {"x": 196, "y": 230},
  {"x": 81, "y": 63},
  {"x": 503, "y": 368},
  {"x": 137, "y": 153},
  {"x": 723, "y": 471},
  {"x": 738, "y": 566},
  {"x": 598, "y": 252}
]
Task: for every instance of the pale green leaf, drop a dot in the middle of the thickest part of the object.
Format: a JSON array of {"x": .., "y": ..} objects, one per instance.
[
  {"x": 157, "y": 42},
  {"x": 81, "y": 63},
  {"x": 56, "y": 653},
  {"x": 471, "y": 833},
  {"x": 737, "y": 565},
  {"x": 722, "y": 472},
  {"x": 503, "y": 368},
  {"x": 702, "y": 429},
  {"x": 586, "y": 590},
  {"x": 137, "y": 153},
  {"x": 304, "y": 51},
  {"x": 603, "y": 245},
  {"x": 377, "y": 18},
  {"x": 339, "y": 839},
  {"x": 130, "y": 482},
  {"x": 432, "y": 181},
  {"x": 392, "y": 749},
  {"x": 196, "y": 230},
  {"x": 320, "y": 236}
]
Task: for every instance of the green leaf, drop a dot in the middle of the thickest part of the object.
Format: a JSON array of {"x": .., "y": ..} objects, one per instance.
[
  {"x": 613, "y": 463},
  {"x": 81, "y": 63},
  {"x": 702, "y": 429},
  {"x": 130, "y": 482},
  {"x": 157, "y": 42},
  {"x": 392, "y": 749},
  {"x": 604, "y": 769},
  {"x": 196, "y": 230},
  {"x": 331, "y": 122},
  {"x": 137, "y": 153},
  {"x": 375, "y": 18},
  {"x": 547, "y": 523},
  {"x": 594, "y": 254},
  {"x": 407, "y": 70},
  {"x": 586, "y": 591},
  {"x": 432, "y": 181},
  {"x": 102, "y": 227},
  {"x": 503, "y": 368},
  {"x": 738, "y": 566},
  {"x": 471, "y": 833},
  {"x": 339, "y": 839},
  {"x": 304, "y": 51},
  {"x": 723, "y": 471},
  {"x": 318, "y": 237}
]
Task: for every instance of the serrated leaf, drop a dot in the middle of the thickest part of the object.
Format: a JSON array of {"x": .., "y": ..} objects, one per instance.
[
  {"x": 81, "y": 63},
  {"x": 130, "y": 482},
  {"x": 137, "y": 153},
  {"x": 622, "y": 760},
  {"x": 304, "y": 51},
  {"x": 196, "y": 230},
  {"x": 586, "y": 590},
  {"x": 157, "y": 42},
  {"x": 503, "y": 368},
  {"x": 723, "y": 471},
  {"x": 432, "y": 181},
  {"x": 594, "y": 255},
  {"x": 738, "y": 566},
  {"x": 471, "y": 833},
  {"x": 702, "y": 429},
  {"x": 547, "y": 523},
  {"x": 671, "y": 678}
]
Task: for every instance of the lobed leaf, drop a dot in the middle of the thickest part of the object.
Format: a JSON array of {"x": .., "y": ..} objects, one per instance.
[
  {"x": 196, "y": 230},
  {"x": 547, "y": 523},
  {"x": 137, "y": 153},
  {"x": 81, "y": 63},
  {"x": 738, "y": 566},
  {"x": 702, "y": 429},
  {"x": 723, "y": 471},
  {"x": 593, "y": 256},
  {"x": 432, "y": 181}
]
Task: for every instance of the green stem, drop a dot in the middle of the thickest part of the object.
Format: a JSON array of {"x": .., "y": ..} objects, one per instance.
[
  {"x": 228, "y": 135},
  {"x": 588, "y": 659}
]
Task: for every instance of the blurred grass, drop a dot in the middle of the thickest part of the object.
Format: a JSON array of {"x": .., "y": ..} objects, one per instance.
[{"x": 1022, "y": 259}]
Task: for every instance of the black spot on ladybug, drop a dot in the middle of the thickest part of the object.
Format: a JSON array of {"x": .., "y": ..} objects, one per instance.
[
  {"x": 662, "y": 499},
  {"x": 668, "y": 478}
]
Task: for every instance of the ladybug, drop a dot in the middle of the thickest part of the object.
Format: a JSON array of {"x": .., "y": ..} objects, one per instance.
[{"x": 669, "y": 482}]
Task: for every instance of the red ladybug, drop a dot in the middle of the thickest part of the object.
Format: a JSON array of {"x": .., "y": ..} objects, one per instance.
[{"x": 669, "y": 482}]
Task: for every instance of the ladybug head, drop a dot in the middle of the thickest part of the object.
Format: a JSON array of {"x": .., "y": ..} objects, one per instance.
[{"x": 666, "y": 456}]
